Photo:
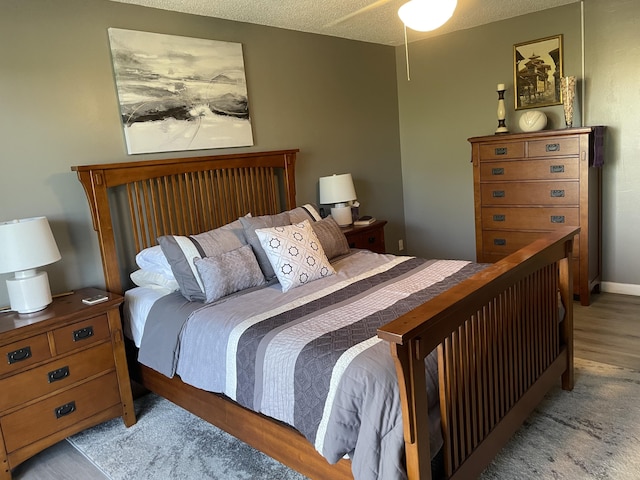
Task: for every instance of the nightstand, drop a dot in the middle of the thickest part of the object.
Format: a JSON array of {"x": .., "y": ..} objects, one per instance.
[
  {"x": 369, "y": 237},
  {"x": 62, "y": 370}
]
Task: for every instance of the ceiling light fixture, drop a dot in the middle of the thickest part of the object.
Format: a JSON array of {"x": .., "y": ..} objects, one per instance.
[{"x": 426, "y": 15}]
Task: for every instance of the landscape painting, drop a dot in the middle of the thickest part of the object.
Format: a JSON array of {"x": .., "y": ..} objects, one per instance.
[{"x": 180, "y": 93}]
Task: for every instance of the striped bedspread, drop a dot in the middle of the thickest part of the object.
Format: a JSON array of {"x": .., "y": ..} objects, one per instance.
[{"x": 311, "y": 357}]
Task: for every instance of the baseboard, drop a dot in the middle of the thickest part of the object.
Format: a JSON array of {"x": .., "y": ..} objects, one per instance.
[{"x": 621, "y": 288}]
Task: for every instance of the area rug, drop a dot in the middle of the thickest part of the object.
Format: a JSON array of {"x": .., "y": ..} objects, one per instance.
[{"x": 592, "y": 432}]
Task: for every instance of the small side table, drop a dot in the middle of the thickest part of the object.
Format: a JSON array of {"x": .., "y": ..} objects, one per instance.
[
  {"x": 62, "y": 370},
  {"x": 369, "y": 237}
]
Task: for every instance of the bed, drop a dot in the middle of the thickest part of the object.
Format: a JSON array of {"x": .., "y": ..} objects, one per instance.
[{"x": 500, "y": 337}]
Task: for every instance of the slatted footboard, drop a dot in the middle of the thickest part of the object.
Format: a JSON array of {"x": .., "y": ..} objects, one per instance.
[{"x": 504, "y": 337}]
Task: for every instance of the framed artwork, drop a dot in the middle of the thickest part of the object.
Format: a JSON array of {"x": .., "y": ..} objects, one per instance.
[
  {"x": 180, "y": 93},
  {"x": 537, "y": 69}
]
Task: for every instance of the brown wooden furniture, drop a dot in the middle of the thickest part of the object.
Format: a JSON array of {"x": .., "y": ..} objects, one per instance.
[
  {"x": 62, "y": 370},
  {"x": 500, "y": 336},
  {"x": 368, "y": 237},
  {"x": 528, "y": 184}
]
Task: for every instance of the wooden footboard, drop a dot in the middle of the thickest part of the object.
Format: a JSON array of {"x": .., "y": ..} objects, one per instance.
[{"x": 503, "y": 340}]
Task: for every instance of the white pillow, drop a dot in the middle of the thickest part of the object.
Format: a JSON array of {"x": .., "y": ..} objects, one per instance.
[
  {"x": 152, "y": 259},
  {"x": 295, "y": 254},
  {"x": 147, "y": 278}
]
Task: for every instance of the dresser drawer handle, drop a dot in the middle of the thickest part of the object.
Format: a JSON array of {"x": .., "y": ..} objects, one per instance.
[
  {"x": 557, "y": 169},
  {"x": 501, "y": 151},
  {"x": 499, "y": 218},
  {"x": 500, "y": 242},
  {"x": 557, "y": 218},
  {"x": 553, "y": 147},
  {"x": 58, "y": 374},
  {"x": 19, "y": 355},
  {"x": 498, "y": 193},
  {"x": 557, "y": 193},
  {"x": 497, "y": 171},
  {"x": 65, "y": 409},
  {"x": 82, "y": 333}
]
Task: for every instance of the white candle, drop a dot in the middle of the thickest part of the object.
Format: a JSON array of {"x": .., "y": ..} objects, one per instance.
[{"x": 500, "y": 86}]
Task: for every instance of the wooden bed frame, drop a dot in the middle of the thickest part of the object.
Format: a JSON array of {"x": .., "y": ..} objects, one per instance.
[{"x": 502, "y": 340}]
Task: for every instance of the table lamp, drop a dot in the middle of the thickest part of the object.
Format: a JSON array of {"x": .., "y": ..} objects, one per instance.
[
  {"x": 339, "y": 191},
  {"x": 25, "y": 245}
]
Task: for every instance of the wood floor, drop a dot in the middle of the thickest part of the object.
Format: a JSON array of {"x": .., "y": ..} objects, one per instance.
[{"x": 607, "y": 331}]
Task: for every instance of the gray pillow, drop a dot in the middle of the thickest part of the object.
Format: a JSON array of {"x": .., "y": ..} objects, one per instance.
[
  {"x": 306, "y": 212},
  {"x": 229, "y": 272},
  {"x": 251, "y": 224},
  {"x": 181, "y": 252},
  {"x": 330, "y": 236}
]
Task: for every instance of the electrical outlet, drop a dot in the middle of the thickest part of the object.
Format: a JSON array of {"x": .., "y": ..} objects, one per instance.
[{"x": 401, "y": 245}]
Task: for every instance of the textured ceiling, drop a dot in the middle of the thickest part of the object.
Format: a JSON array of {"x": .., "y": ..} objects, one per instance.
[{"x": 376, "y": 22}]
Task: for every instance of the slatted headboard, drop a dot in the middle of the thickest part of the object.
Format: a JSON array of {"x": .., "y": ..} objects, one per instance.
[{"x": 134, "y": 203}]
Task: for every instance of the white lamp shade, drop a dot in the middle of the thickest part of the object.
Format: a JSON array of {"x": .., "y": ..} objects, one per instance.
[
  {"x": 26, "y": 244},
  {"x": 337, "y": 189},
  {"x": 426, "y": 15}
]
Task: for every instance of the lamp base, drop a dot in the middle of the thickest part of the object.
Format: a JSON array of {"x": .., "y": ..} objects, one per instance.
[
  {"x": 342, "y": 215},
  {"x": 29, "y": 291}
]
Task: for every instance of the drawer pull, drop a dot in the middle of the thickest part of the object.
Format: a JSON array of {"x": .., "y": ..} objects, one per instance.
[
  {"x": 58, "y": 374},
  {"x": 19, "y": 355},
  {"x": 82, "y": 333},
  {"x": 498, "y": 193},
  {"x": 501, "y": 151},
  {"x": 557, "y": 168},
  {"x": 557, "y": 193},
  {"x": 553, "y": 147},
  {"x": 499, "y": 218},
  {"x": 500, "y": 242},
  {"x": 497, "y": 171},
  {"x": 65, "y": 409},
  {"x": 557, "y": 218}
]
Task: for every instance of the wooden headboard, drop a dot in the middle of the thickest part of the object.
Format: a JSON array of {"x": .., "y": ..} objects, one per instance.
[{"x": 134, "y": 203}]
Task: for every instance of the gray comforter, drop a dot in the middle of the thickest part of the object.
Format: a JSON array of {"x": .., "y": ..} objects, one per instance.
[{"x": 310, "y": 357}]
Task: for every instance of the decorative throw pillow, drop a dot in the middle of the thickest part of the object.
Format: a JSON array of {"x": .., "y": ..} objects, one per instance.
[
  {"x": 229, "y": 272},
  {"x": 181, "y": 252},
  {"x": 251, "y": 224},
  {"x": 295, "y": 254},
  {"x": 333, "y": 241}
]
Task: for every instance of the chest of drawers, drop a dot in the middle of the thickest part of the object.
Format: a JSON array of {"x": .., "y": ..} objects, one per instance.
[
  {"x": 529, "y": 184},
  {"x": 61, "y": 370}
]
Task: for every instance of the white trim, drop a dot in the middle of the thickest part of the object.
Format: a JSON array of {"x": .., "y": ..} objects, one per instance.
[{"x": 622, "y": 288}]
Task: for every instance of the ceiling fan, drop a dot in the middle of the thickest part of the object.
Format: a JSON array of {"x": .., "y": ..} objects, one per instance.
[{"x": 420, "y": 15}]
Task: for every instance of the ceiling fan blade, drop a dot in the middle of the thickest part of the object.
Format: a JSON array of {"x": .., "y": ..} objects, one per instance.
[{"x": 369, "y": 7}]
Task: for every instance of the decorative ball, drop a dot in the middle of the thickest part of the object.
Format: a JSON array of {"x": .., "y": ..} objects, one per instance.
[{"x": 532, "y": 121}]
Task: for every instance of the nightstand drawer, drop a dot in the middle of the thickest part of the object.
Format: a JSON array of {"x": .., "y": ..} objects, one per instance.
[
  {"x": 81, "y": 334},
  {"x": 19, "y": 389},
  {"x": 528, "y": 193},
  {"x": 60, "y": 411},
  {"x": 23, "y": 353},
  {"x": 553, "y": 147},
  {"x": 551, "y": 169}
]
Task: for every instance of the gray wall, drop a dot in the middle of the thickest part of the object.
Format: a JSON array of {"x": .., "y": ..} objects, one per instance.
[
  {"x": 451, "y": 97},
  {"x": 333, "y": 99}
]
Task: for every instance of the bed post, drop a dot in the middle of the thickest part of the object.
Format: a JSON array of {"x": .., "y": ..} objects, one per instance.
[{"x": 566, "y": 296}]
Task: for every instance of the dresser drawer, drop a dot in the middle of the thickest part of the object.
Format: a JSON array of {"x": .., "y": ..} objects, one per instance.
[
  {"x": 530, "y": 193},
  {"x": 504, "y": 242},
  {"x": 81, "y": 334},
  {"x": 501, "y": 151},
  {"x": 26, "y": 386},
  {"x": 18, "y": 355},
  {"x": 547, "y": 169},
  {"x": 60, "y": 411},
  {"x": 532, "y": 218},
  {"x": 552, "y": 147}
]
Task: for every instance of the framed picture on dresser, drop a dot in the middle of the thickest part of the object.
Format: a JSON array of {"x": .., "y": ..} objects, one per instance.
[{"x": 537, "y": 69}]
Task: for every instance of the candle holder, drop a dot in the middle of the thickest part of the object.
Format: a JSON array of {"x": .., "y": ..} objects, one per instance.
[
  {"x": 502, "y": 128},
  {"x": 568, "y": 86}
]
